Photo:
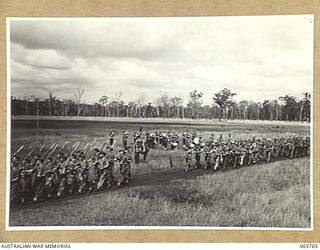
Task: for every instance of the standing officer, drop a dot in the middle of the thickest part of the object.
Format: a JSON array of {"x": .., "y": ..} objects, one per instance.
[
  {"x": 124, "y": 139},
  {"x": 111, "y": 137}
]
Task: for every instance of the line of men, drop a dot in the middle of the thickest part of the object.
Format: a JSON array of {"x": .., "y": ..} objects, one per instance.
[
  {"x": 219, "y": 154},
  {"x": 43, "y": 174},
  {"x": 39, "y": 176}
]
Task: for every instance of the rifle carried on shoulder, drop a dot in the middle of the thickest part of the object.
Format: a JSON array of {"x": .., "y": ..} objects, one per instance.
[{"x": 14, "y": 154}]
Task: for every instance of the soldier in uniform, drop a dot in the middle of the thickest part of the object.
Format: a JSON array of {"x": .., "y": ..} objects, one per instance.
[
  {"x": 40, "y": 179},
  {"x": 212, "y": 138},
  {"x": 164, "y": 141},
  {"x": 243, "y": 153},
  {"x": 124, "y": 139},
  {"x": 198, "y": 152},
  {"x": 208, "y": 155},
  {"x": 111, "y": 137},
  {"x": 82, "y": 174},
  {"x": 306, "y": 144},
  {"x": 139, "y": 149},
  {"x": 109, "y": 170},
  {"x": 72, "y": 173},
  {"x": 225, "y": 155},
  {"x": 150, "y": 140},
  {"x": 26, "y": 181},
  {"x": 93, "y": 173},
  {"x": 125, "y": 167},
  {"x": 15, "y": 188},
  {"x": 174, "y": 145},
  {"x": 62, "y": 169},
  {"x": 188, "y": 157},
  {"x": 184, "y": 138},
  {"x": 217, "y": 151},
  {"x": 220, "y": 138},
  {"x": 102, "y": 169}
]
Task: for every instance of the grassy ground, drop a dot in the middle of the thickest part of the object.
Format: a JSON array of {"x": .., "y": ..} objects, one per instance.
[{"x": 269, "y": 195}]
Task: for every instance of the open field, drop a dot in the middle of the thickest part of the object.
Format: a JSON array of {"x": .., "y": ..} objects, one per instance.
[
  {"x": 267, "y": 195},
  {"x": 24, "y": 130}
]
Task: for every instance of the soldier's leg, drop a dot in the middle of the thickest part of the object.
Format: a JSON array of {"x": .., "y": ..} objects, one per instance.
[
  {"x": 39, "y": 189},
  {"x": 171, "y": 159},
  {"x": 235, "y": 161},
  {"x": 145, "y": 154},
  {"x": 61, "y": 186},
  {"x": 188, "y": 166},
  {"x": 128, "y": 174},
  {"x": 15, "y": 192},
  {"x": 216, "y": 163},
  {"x": 136, "y": 157}
]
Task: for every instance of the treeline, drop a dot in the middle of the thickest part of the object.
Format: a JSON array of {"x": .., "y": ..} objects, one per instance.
[{"x": 285, "y": 108}]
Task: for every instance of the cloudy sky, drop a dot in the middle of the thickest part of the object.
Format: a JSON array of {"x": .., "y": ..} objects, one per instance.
[{"x": 256, "y": 57}]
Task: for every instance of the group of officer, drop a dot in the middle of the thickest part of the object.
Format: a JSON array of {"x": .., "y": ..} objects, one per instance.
[{"x": 54, "y": 172}]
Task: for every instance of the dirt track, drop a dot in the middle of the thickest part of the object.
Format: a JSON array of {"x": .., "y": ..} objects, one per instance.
[
  {"x": 157, "y": 178},
  {"x": 154, "y": 179}
]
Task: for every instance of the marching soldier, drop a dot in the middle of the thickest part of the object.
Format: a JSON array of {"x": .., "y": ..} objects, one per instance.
[
  {"x": 72, "y": 174},
  {"x": 174, "y": 145},
  {"x": 102, "y": 169},
  {"x": 184, "y": 138},
  {"x": 139, "y": 149},
  {"x": 15, "y": 179},
  {"x": 208, "y": 155},
  {"x": 188, "y": 157},
  {"x": 62, "y": 169},
  {"x": 125, "y": 167},
  {"x": 93, "y": 174},
  {"x": 38, "y": 175},
  {"x": 82, "y": 174},
  {"x": 109, "y": 170}
]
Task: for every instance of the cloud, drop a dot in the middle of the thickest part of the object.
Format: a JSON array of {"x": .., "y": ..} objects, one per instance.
[
  {"x": 95, "y": 38},
  {"x": 257, "y": 57}
]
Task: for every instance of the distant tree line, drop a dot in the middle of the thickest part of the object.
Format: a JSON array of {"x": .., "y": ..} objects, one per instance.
[{"x": 285, "y": 108}]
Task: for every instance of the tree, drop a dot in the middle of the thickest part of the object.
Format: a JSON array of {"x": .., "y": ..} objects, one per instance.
[
  {"x": 195, "y": 103},
  {"x": 243, "y": 108},
  {"x": 224, "y": 99},
  {"x": 51, "y": 100},
  {"x": 290, "y": 109},
  {"x": 163, "y": 103},
  {"x": 117, "y": 103},
  {"x": 77, "y": 98},
  {"x": 103, "y": 101},
  {"x": 305, "y": 107},
  {"x": 175, "y": 103}
]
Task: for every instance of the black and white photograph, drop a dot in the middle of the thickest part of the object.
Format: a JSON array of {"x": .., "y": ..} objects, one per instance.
[{"x": 160, "y": 122}]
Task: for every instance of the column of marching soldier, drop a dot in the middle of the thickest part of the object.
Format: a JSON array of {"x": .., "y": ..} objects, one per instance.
[{"x": 52, "y": 172}]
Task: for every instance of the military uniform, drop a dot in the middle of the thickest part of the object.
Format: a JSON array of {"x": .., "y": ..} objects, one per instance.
[
  {"x": 111, "y": 138},
  {"x": 125, "y": 168},
  {"x": 188, "y": 157},
  {"x": 124, "y": 139}
]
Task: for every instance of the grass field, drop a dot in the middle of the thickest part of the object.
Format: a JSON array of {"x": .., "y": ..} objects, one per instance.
[{"x": 267, "y": 195}]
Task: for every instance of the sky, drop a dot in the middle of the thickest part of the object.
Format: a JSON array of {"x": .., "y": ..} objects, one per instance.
[{"x": 259, "y": 58}]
